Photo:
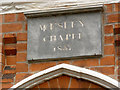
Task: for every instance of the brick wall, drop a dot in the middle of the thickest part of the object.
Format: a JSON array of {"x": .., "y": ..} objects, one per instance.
[
  {"x": 1, "y": 64},
  {"x": 68, "y": 82},
  {"x": 14, "y": 49}
]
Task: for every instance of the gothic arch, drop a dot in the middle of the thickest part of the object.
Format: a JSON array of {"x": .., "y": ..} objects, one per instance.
[{"x": 70, "y": 70}]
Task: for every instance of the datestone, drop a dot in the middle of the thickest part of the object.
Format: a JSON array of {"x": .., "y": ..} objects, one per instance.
[{"x": 65, "y": 36}]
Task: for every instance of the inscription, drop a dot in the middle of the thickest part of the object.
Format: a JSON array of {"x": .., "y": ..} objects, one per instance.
[
  {"x": 66, "y": 37},
  {"x": 63, "y": 25},
  {"x": 62, "y": 36},
  {"x": 63, "y": 48}
]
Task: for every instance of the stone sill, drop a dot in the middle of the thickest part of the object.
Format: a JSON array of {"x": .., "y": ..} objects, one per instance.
[{"x": 28, "y": 6}]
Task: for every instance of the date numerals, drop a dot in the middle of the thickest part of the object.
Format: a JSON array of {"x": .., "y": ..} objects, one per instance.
[{"x": 62, "y": 48}]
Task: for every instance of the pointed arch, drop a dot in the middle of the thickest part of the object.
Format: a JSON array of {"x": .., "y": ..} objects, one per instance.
[{"x": 70, "y": 70}]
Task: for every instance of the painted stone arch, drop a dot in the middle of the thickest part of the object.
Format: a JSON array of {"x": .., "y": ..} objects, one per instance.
[{"x": 66, "y": 70}]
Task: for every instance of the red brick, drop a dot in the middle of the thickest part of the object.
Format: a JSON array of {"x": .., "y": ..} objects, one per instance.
[
  {"x": 119, "y": 78},
  {"x": 21, "y": 46},
  {"x": 113, "y": 18},
  {"x": 9, "y": 71},
  {"x": 108, "y": 60},
  {"x": 3, "y": 59},
  {"x": 109, "y": 50},
  {"x": 119, "y": 70},
  {"x": 0, "y": 57},
  {"x": 7, "y": 47},
  {"x": 0, "y": 86},
  {"x": 44, "y": 85},
  {"x": 0, "y": 38},
  {"x": 117, "y": 25},
  {"x": 74, "y": 83},
  {"x": 81, "y": 83},
  {"x": 105, "y": 70},
  {"x": 108, "y": 8},
  {"x": 10, "y": 17},
  {"x": 117, "y": 30},
  {"x": 117, "y": 43},
  {"x": 1, "y": 18},
  {"x": 3, "y": 51},
  {"x": 21, "y": 57},
  {"x": 67, "y": 62},
  {"x": 35, "y": 88},
  {"x": 54, "y": 83},
  {"x": 0, "y": 48},
  {"x": 41, "y": 66},
  {"x": 26, "y": 26},
  {"x": 117, "y": 7},
  {"x": 10, "y": 49},
  {"x": 21, "y": 17},
  {"x": 21, "y": 76},
  {"x": 109, "y": 40},
  {"x": 21, "y": 67},
  {"x": 1, "y": 15},
  {"x": 63, "y": 81},
  {"x": 108, "y": 29},
  {"x": 10, "y": 52},
  {"x": 7, "y": 85},
  {"x": 86, "y": 63},
  {"x": 117, "y": 37},
  {"x": 9, "y": 38},
  {"x": 0, "y": 28},
  {"x": 22, "y": 37},
  {"x": 118, "y": 62},
  {"x": 0, "y": 80},
  {"x": 10, "y": 35},
  {"x": 13, "y": 27},
  {"x": 84, "y": 83},
  {"x": 118, "y": 51},
  {"x": 1, "y": 67},
  {"x": 11, "y": 60},
  {"x": 94, "y": 86},
  {"x": 7, "y": 80}
]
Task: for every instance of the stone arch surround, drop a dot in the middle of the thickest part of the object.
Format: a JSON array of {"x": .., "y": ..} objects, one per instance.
[{"x": 69, "y": 70}]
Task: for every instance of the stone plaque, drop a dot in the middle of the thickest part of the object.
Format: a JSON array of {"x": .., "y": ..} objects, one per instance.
[{"x": 65, "y": 36}]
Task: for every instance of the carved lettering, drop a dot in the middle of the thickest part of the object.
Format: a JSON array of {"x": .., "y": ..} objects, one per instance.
[
  {"x": 61, "y": 25},
  {"x": 51, "y": 26},
  {"x": 53, "y": 38},
  {"x": 61, "y": 37},
  {"x": 72, "y": 24},
  {"x": 43, "y": 28},
  {"x": 65, "y": 25},
  {"x": 62, "y": 48},
  {"x": 79, "y": 35},
  {"x": 44, "y": 39},
  {"x": 73, "y": 36},
  {"x": 67, "y": 36},
  {"x": 81, "y": 23}
]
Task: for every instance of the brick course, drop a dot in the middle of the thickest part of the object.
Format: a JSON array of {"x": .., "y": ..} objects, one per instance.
[
  {"x": 14, "y": 52},
  {"x": 10, "y": 18}
]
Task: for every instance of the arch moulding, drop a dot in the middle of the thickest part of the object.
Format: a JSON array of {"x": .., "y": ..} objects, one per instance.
[{"x": 70, "y": 70}]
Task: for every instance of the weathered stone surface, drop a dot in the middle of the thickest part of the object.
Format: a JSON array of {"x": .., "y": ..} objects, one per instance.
[
  {"x": 15, "y": 6},
  {"x": 61, "y": 36}
]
